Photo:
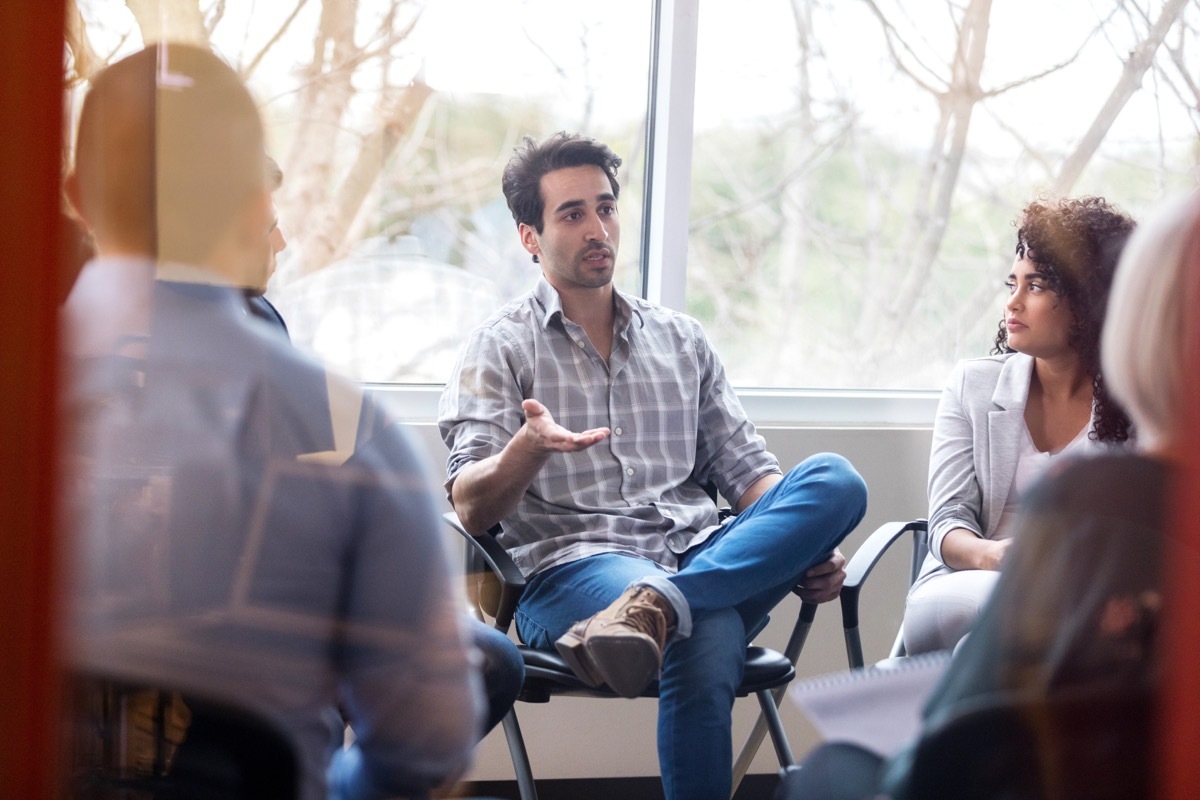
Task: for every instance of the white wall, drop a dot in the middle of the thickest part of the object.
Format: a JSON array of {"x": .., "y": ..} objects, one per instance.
[{"x": 576, "y": 737}]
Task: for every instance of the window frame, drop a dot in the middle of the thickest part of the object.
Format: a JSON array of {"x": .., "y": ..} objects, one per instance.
[{"x": 669, "y": 133}]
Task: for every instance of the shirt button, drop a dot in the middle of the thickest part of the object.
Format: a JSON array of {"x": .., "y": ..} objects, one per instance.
[
  {"x": 629, "y": 471},
  {"x": 617, "y": 431},
  {"x": 579, "y": 342}
]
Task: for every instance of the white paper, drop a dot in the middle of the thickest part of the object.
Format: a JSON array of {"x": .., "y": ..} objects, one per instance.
[{"x": 878, "y": 707}]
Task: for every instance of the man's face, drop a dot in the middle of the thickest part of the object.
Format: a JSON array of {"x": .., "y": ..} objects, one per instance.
[{"x": 580, "y": 228}]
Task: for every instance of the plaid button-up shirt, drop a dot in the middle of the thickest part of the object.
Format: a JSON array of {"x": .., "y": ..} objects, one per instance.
[{"x": 676, "y": 424}]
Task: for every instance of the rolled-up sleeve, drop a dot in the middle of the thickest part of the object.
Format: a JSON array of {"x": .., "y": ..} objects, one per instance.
[
  {"x": 730, "y": 453},
  {"x": 480, "y": 408}
]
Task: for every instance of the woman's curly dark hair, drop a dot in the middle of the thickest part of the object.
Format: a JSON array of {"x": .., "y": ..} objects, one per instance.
[{"x": 1076, "y": 243}]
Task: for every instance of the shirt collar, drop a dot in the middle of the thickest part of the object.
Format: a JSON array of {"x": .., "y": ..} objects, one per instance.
[
  {"x": 547, "y": 297},
  {"x": 551, "y": 305}
]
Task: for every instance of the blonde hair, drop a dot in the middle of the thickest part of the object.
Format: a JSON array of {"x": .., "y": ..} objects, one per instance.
[{"x": 1146, "y": 347}]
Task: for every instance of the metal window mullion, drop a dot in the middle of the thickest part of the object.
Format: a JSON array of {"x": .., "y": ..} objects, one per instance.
[{"x": 668, "y": 181}]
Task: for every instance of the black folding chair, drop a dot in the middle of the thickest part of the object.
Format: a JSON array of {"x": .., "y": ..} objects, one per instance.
[{"x": 496, "y": 587}]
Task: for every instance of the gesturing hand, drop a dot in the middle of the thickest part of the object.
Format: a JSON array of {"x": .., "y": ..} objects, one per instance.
[{"x": 546, "y": 435}]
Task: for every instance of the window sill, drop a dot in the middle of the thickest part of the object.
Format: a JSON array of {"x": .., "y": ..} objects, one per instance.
[{"x": 806, "y": 408}]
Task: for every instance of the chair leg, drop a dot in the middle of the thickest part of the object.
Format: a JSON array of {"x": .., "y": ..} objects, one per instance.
[
  {"x": 795, "y": 645},
  {"x": 769, "y": 701},
  {"x": 768, "y": 722},
  {"x": 520, "y": 757}
]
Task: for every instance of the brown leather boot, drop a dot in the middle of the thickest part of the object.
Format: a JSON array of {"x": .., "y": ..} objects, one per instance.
[{"x": 622, "y": 645}]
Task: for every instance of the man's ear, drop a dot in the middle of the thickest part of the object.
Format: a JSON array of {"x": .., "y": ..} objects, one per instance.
[{"x": 529, "y": 239}]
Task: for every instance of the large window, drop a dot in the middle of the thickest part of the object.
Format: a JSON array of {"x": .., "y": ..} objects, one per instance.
[
  {"x": 851, "y": 167},
  {"x": 392, "y": 122},
  {"x": 857, "y": 167}
]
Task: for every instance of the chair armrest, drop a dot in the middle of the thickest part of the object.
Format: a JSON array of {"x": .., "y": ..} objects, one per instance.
[
  {"x": 861, "y": 564},
  {"x": 500, "y": 564}
]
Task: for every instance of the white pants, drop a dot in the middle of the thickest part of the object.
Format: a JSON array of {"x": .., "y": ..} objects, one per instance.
[{"x": 941, "y": 609}]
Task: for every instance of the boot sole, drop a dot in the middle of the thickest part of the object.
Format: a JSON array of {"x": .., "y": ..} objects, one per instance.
[
  {"x": 572, "y": 650},
  {"x": 628, "y": 664}
]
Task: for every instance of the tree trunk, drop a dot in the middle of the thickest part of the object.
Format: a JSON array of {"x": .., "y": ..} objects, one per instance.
[
  {"x": 321, "y": 105},
  {"x": 85, "y": 60},
  {"x": 887, "y": 302},
  {"x": 795, "y": 203},
  {"x": 328, "y": 241}
]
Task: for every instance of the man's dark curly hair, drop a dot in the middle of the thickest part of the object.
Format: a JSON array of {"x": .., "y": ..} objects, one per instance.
[
  {"x": 522, "y": 179},
  {"x": 1076, "y": 243}
]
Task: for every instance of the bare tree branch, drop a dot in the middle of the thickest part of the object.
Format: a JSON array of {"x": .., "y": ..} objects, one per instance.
[
  {"x": 1185, "y": 74},
  {"x": 1136, "y": 65},
  {"x": 884, "y": 306},
  {"x": 248, "y": 70},
  {"x": 1001, "y": 121},
  {"x": 214, "y": 18},
  {"x": 779, "y": 187},
  {"x": 891, "y": 36}
]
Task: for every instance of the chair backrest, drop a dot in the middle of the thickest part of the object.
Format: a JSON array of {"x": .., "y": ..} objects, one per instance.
[
  {"x": 1081, "y": 743},
  {"x": 133, "y": 741}
]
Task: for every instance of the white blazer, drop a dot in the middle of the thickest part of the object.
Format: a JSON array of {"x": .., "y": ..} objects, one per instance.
[
  {"x": 977, "y": 439},
  {"x": 976, "y": 443}
]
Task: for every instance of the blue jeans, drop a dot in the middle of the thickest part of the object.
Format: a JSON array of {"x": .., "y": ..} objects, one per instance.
[{"x": 730, "y": 583}]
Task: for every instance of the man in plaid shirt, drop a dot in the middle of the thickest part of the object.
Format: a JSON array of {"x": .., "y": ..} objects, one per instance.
[{"x": 587, "y": 423}]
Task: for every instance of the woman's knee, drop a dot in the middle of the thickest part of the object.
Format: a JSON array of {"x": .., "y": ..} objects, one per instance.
[{"x": 940, "y": 612}]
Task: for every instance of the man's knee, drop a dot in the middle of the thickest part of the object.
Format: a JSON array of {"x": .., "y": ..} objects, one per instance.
[
  {"x": 838, "y": 482},
  {"x": 836, "y": 472}
]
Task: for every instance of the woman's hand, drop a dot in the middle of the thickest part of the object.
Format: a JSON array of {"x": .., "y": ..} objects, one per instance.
[
  {"x": 964, "y": 549},
  {"x": 991, "y": 553}
]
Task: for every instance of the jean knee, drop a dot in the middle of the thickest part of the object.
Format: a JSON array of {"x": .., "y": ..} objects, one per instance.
[{"x": 840, "y": 481}]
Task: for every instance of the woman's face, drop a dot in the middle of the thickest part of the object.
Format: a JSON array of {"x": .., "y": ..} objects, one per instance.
[{"x": 1037, "y": 318}]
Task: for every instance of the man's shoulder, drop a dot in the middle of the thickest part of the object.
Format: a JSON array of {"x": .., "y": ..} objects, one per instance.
[
  {"x": 659, "y": 317},
  {"x": 519, "y": 314}
]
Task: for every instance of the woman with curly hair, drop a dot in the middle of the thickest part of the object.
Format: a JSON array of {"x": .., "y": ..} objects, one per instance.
[{"x": 1004, "y": 419}]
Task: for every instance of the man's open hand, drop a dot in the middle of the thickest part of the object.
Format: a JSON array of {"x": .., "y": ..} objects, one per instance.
[{"x": 546, "y": 435}]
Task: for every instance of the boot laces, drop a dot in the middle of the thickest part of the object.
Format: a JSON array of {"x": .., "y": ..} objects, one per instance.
[{"x": 644, "y": 617}]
